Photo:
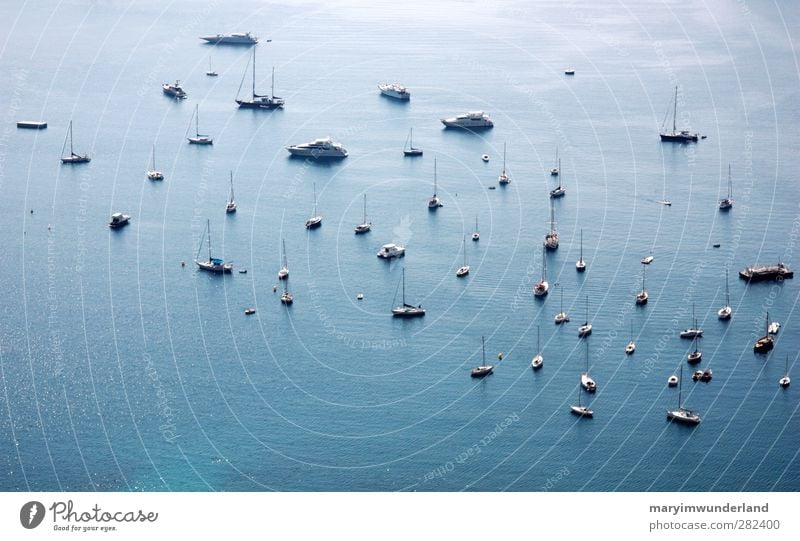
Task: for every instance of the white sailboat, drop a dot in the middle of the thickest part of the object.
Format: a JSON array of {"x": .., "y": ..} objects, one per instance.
[
  {"x": 727, "y": 203},
  {"x": 681, "y": 414},
  {"x": 408, "y": 148},
  {"x": 642, "y": 296},
  {"x": 73, "y": 156},
  {"x": 364, "y": 226},
  {"x": 726, "y": 311},
  {"x": 631, "y": 347},
  {"x": 153, "y": 173},
  {"x": 587, "y": 382},
  {"x": 434, "y": 202},
  {"x": 695, "y": 356},
  {"x": 476, "y": 235},
  {"x": 405, "y": 309},
  {"x": 562, "y": 316},
  {"x": 211, "y": 72},
  {"x": 557, "y": 167},
  {"x": 230, "y": 206},
  {"x": 538, "y": 359},
  {"x": 464, "y": 269},
  {"x": 212, "y": 264},
  {"x": 766, "y": 342},
  {"x": 286, "y": 297},
  {"x": 551, "y": 238},
  {"x": 198, "y": 139},
  {"x": 586, "y": 328},
  {"x": 315, "y": 220},
  {"x": 785, "y": 381},
  {"x": 691, "y": 332},
  {"x": 484, "y": 369},
  {"x": 560, "y": 190},
  {"x": 283, "y": 274},
  {"x": 503, "y": 178},
  {"x": 541, "y": 287},
  {"x": 580, "y": 410},
  {"x": 580, "y": 265}
]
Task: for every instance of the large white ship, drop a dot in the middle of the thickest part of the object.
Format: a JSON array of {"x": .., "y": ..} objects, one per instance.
[
  {"x": 319, "y": 148},
  {"x": 474, "y": 119},
  {"x": 395, "y": 90},
  {"x": 237, "y": 38}
]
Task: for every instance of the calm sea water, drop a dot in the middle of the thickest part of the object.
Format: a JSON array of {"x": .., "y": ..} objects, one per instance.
[{"x": 123, "y": 370}]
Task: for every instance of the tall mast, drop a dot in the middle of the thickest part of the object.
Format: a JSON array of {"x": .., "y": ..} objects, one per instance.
[
  {"x": 544, "y": 265},
  {"x": 365, "y": 208},
  {"x": 675, "y": 109},
  {"x": 730, "y": 185},
  {"x": 434, "y": 177},
  {"x": 254, "y": 73},
  {"x": 504, "y": 157},
  {"x": 404, "y": 286},
  {"x": 154, "y": 156},
  {"x": 581, "y": 244},
  {"x": 483, "y": 350},
  {"x": 231, "y": 186},
  {"x": 587, "y": 309},
  {"x": 465, "y": 250},
  {"x": 197, "y": 120},
  {"x": 71, "y": 153},
  {"x": 272, "y": 92},
  {"x": 680, "y": 385},
  {"x": 727, "y": 294},
  {"x": 283, "y": 242},
  {"x": 208, "y": 228},
  {"x": 315, "y": 199}
]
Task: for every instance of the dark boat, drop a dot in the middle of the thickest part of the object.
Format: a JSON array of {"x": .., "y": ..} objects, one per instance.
[
  {"x": 675, "y": 136},
  {"x": 766, "y": 272},
  {"x": 258, "y": 101}
]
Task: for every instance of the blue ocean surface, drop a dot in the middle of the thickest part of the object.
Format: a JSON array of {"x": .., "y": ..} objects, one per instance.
[{"x": 125, "y": 368}]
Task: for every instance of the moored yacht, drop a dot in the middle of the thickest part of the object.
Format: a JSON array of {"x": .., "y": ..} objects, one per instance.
[
  {"x": 586, "y": 328},
  {"x": 676, "y": 136},
  {"x": 118, "y": 220},
  {"x": 395, "y": 90},
  {"x": 484, "y": 369},
  {"x": 472, "y": 120},
  {"x": 235, "y": 38},
  {"x": 259, "y": 101},
  {"x": 434, "y": 202},
  {"x": 174, "y": 90},
  {"x": 391, "y": 250},
  {"x": 318, "y": 148},
  {"x": 541, "y": 287}
]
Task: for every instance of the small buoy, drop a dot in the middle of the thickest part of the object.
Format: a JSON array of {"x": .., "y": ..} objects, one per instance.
[
  {"x": 48, "y": 227},
  {"x": 492, "y": 187},
  {"x": 242, "y": 271},
  {"x": 31, "y": 211},
  {"x": 500, "y": 356},
  {"x": 183, "y": 263},
  {"x": 703, "y": 136},
  {"x": 250, "y": 311},
  {"x": 360, "y": 296},
  {"x": 485, "y": 157},
  {"x": 716, "y": 246},
  {"x": 274, "y": 289}
]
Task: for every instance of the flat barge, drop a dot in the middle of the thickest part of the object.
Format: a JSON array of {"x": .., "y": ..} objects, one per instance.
[
  {"x": 766, "y": 272},
  {"x": 31, "y": 125}
]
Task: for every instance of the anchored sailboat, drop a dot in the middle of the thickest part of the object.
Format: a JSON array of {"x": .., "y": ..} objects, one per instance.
[
  {"x": 364, "y": 226},
  {"x": 153, "y": 173},
  {"x": 562, "y": 316},
  {"x": 642, "y": 296},
  {"x": 538, "y": 359},
  {"x": 580, "y": 265},
  {"x": 283, "y": 274},
  {"x": 407, "y": 310},
  {"x": 212, "y": 264},
  {"x": 73, "y": 157},
  {"x": 464, "y": 269},
  {"x": 503, "y": 178},
  {"x": 551, "y": 238},
  {"x": 682, "y": 136},
  {"x": 727, "y": 203},
  {"x": 315, "y": 220},
  {"x": 726, "y": 311},
  {"x": 560, "y": 190},
  {"x": 408, "y": 148},
  {"x": 434, "y": 202},
  {"x": 586, "y": 328},
  {"x": 586, "y": 380},
  {"x": 541, "y": 287},
  {"x": 198, "y": 139},
  {"x": 484, "y": 369},
  {"x": 681, "y": 414},
  {"x": 230, "y": 206},
  {"x": 258, "y": 101}
]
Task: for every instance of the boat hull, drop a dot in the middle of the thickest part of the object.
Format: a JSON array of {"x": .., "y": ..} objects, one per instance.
[
  {"x": 679, "y": 137},
  {"x": 270, "y": 104}
]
